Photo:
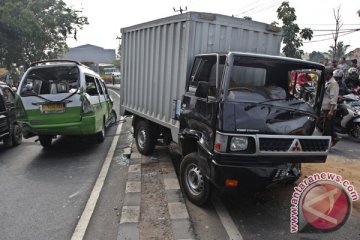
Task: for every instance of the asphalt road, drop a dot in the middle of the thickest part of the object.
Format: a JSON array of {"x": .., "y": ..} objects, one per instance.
[{"x": 43, "y": 192}]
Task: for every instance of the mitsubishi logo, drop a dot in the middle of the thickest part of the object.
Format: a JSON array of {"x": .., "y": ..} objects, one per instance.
[{"x": 295, "y": 146}]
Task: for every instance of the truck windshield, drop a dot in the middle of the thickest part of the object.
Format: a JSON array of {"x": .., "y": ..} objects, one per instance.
[
  {"x": 262, "y": 79},
  {"x": 251, "y": 83}
]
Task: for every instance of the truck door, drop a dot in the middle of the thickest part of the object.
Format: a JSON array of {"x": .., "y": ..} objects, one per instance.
[{"x": 200, "y": 101}]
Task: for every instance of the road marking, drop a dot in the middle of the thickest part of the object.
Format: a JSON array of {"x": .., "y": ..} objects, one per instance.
[
  {"x": 114, "y": 92},
  {"x": 226, "y": 220},
  {"x": 83, "y": 223}
]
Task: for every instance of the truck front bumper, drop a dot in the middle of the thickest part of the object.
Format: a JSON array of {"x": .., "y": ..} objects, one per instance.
[{"x": 253, "y": 175}]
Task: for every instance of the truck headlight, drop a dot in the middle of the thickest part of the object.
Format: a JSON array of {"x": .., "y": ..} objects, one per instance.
[{"x": 238, "y": 143}]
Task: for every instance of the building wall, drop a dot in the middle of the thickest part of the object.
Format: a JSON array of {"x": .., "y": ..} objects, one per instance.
[
  {"x": 90, "y": 53},
  {"x": 355, "y": 54}
]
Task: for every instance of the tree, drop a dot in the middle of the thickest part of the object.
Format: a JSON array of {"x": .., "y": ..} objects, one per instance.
[
  {"x": 339, "y": 52},
  {"x": 35, "y": 30},
  {"x": 316, "y": 56},
  {"x": 293, "y": 36}
]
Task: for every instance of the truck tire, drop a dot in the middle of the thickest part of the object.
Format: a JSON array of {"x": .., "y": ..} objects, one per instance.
[
  {"x": 45, "y": 141},
  {"x": 144, "y": 137},
  {"x": 195, "y": 185}
]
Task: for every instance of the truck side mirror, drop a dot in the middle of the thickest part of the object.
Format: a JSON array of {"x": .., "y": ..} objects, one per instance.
[{"x": 202, "y": 89}]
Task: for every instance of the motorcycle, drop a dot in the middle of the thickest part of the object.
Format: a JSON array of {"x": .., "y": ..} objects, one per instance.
[
  {"x": 306, "y": 91},
  {"x": 347, "y": 117}
]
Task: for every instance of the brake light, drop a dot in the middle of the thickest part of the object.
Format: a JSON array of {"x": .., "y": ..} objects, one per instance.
[{"x": 86, "y": 105}]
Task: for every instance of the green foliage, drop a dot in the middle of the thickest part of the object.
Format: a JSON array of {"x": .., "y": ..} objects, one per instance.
[
  {"x": 293, "y": 37},
  {"x": 35, "y": 30},
  {"x": 340, "y": 50},
  {"x": 316, "y": 56}
]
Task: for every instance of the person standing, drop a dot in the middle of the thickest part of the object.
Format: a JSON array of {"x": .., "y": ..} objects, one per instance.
[
  {"x": 329, "y": 105},
  {"x": 342, "y": 64},
  {"x": 353, "y": 63}
]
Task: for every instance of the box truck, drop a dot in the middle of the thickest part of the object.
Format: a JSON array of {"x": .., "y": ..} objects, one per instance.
[{"x": 216, "y": 86}]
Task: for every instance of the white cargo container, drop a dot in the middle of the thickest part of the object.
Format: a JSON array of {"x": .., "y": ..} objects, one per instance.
[{"x": 157, "y": 56}]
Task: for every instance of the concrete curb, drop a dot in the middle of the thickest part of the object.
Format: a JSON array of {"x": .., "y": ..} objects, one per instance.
[
  {"x": 130, "y": 214},
  {"x": 131, "y": 211}
]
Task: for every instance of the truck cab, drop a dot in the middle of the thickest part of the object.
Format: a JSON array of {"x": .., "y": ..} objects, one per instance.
[{"x": 240, "y": 123}]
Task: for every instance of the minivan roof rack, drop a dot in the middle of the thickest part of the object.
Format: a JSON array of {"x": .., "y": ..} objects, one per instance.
[{"x": 54, "y": 60}]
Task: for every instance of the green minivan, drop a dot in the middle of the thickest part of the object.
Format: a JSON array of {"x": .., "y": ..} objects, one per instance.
[{"x": 64, "y": 97}]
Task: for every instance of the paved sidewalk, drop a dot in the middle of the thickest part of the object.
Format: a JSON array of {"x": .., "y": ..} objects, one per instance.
[{"x": 153, "y": 206}]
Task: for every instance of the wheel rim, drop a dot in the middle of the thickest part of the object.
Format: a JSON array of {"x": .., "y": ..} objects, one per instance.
[
  {"x": 356, "y": 132},
  {"x": 141, "y": 138},
  {"x": 194, "y": 180}
]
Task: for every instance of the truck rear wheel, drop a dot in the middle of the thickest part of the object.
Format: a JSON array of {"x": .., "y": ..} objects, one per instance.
[
  {"x": 144, "y": 137},
  {"x": 195, "y": 185}
]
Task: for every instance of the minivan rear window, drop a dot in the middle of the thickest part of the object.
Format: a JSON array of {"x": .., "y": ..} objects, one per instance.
[{"x": 50, "y": 80}]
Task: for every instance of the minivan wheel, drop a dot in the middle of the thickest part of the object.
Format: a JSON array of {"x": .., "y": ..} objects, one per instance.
[
  {"x": 113, "y": 117},
  {"x": 45, "y": 141},
  {"x": 195, "y": 185},
  {"x": 100, "y": 136},
  {"x": 145, "y": 140}
]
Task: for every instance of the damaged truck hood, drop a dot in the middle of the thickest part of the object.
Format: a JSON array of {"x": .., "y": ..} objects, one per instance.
[{"x": 274, "y": 116}]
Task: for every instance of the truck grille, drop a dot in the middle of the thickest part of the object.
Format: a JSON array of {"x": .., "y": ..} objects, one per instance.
[
  {"x": 275, "y": 144},
  {"x": 284, "y": 144},
  {"x": 314, "y": 145}
]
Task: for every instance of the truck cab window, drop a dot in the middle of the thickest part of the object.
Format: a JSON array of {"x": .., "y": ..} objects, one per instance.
[
  {"x": 204, "y": 70},
  {"x": 242, "y": 76}
]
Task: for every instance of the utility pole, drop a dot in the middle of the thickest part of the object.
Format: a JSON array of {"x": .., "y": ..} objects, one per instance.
[
  {"x": 337, "y": 29},
  {"x": 180, "y": 10}
]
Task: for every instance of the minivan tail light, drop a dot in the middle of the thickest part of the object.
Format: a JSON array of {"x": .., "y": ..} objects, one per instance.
[
  {"x": 220, "y": 143},
  {"x": 87, "y": 107}
]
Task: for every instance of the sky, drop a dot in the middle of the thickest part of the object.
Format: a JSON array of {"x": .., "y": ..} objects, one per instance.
[{"x": 107, "y": 17}]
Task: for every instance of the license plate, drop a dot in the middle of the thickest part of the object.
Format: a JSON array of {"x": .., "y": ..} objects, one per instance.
[{"x": 52, "y": 108}]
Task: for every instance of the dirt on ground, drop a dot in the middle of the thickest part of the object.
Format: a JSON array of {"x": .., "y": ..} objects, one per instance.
[
  {"x": 349, "y": 169},
  {"x": 155, "y": 221}
]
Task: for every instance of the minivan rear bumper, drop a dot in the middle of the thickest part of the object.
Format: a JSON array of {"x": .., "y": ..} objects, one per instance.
[{"x": 86, "y": 126}]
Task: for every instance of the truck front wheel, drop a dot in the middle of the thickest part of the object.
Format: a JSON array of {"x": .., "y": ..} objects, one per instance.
[
  {"x": 145, "y": 140},
  {"x": 195, "y": 185}
]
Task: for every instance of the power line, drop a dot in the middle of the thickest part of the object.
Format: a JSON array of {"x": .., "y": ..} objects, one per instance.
[
  {"x": 252, "y": 7},
  {"x": 329, "y": 30},
  {"x": 321, "y": 40},
  {"x": 319, "y": 24},
  {"x": 326, "y": 34},
  {"x": 264, "y": 7}
]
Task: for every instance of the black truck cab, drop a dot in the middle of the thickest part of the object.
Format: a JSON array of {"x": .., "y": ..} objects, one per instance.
[{"x": 240, "y": 123}]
